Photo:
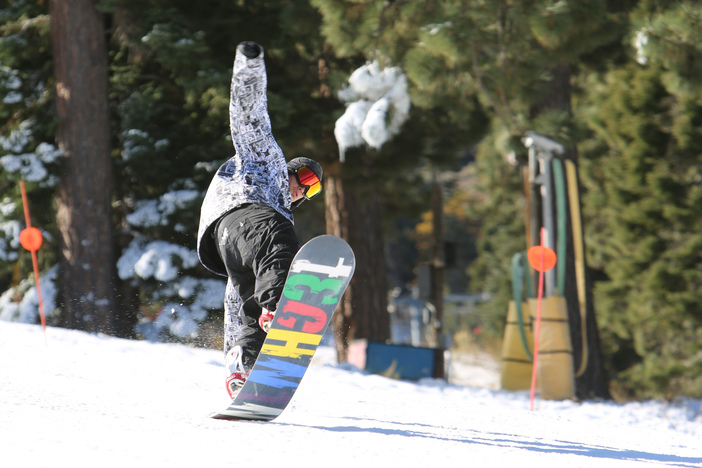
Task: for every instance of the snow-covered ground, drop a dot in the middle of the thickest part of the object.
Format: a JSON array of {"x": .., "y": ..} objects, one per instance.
[{"x": 83, "y": 400}]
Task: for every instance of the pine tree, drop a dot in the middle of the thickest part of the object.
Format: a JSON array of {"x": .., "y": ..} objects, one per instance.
[
  {"x": 513, "y": 58},
  {"x": 28, "y": 152},
  {"x": 375, "y": 180},
  {"x": 171, "y": 77},
  {"x": 170, "y": 98},
  {"x": 170, "y": 68},
  {"x": 643, "y": 175}
]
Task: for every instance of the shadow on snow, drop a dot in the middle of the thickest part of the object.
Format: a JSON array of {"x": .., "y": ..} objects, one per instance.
[{"x": 518, "y": 442}]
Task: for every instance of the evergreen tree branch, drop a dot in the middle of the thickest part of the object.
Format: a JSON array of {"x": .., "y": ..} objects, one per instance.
[{"x": 503, "y": 111}]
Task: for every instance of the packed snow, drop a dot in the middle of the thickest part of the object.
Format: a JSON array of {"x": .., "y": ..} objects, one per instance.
[{"x": 84, "y": 400}]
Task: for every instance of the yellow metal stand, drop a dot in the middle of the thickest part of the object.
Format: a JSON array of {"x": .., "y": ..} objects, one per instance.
[
  {"x": 556, "y": 380},
  {"x": 516, "y": 359}
]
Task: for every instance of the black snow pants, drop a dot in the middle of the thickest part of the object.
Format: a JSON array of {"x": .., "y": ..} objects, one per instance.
[{"x": 257, "y": 245}]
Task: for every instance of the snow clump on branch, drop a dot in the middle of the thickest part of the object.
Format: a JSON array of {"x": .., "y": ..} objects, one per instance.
[{"x": 378, "y": 105}]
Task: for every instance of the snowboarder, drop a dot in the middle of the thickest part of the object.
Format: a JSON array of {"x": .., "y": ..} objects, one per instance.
[{"x": 246, "y": 222}]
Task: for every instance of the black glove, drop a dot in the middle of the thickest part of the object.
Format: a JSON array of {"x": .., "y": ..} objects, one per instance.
[{"x": 250, "y": 49}]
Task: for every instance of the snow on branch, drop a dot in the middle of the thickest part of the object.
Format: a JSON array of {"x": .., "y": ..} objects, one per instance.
[
  {"x": 28, "y": 165},
  {"x": 378, "y": 105},
  {"x": 159, "y": 260}
]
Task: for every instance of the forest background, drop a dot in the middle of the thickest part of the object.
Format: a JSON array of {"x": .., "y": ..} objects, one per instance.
[{"x": 616, "y": 82}]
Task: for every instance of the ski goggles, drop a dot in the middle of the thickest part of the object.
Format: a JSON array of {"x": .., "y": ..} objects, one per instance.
[{"x": 309, "y": 180}]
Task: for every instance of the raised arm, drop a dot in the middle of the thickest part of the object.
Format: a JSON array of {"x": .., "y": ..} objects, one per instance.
[{"x": 250, "y": 124}]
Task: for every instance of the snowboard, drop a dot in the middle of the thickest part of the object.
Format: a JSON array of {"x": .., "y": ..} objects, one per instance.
[{"x": 318, "y": 277}]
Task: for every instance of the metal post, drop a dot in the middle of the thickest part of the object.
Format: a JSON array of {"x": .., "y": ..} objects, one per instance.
[
  {"x": 547, "y": 213},
  {"x": 541, "y": 153}
]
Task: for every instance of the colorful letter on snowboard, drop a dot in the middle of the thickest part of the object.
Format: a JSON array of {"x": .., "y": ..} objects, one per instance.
[{"x": 318, "y": 277}]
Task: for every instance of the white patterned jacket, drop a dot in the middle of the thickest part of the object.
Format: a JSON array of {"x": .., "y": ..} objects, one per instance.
[{"x": 257, "y": 173}]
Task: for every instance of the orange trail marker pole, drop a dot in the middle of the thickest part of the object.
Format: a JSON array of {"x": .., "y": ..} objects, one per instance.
[
  {"x": 31, "y": 239},
  {"x": 542, "y": 259}
]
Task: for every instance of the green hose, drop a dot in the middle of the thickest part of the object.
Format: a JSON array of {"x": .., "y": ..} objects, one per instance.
[
  {"x": 561, "y": 215},
  {"x": 517, "y": 282}
]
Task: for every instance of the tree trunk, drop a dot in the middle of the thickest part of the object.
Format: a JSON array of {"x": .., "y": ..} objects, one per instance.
[
  {"x": 438, "y": 261},
  {"x": 592, "y": 382},
  {"x": 84, "y": 194},
  {"x": 337, "y": 225},
  {"x": 357, "y": 218}
]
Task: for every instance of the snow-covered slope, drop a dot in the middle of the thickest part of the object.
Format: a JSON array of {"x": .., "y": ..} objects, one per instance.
[{"x": 84, "y": 400}]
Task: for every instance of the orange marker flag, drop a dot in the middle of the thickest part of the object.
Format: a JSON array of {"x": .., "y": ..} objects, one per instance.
[
  {"x": 31, "y": 239},
  {"x": 541, "y": 259}
]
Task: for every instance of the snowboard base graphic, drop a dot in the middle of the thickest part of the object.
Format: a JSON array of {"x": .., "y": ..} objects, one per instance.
[{"x": 318, "y": 277}]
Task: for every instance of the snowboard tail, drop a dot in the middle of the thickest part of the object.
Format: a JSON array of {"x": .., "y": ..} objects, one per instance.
[{"x": 318, "y": 277}]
